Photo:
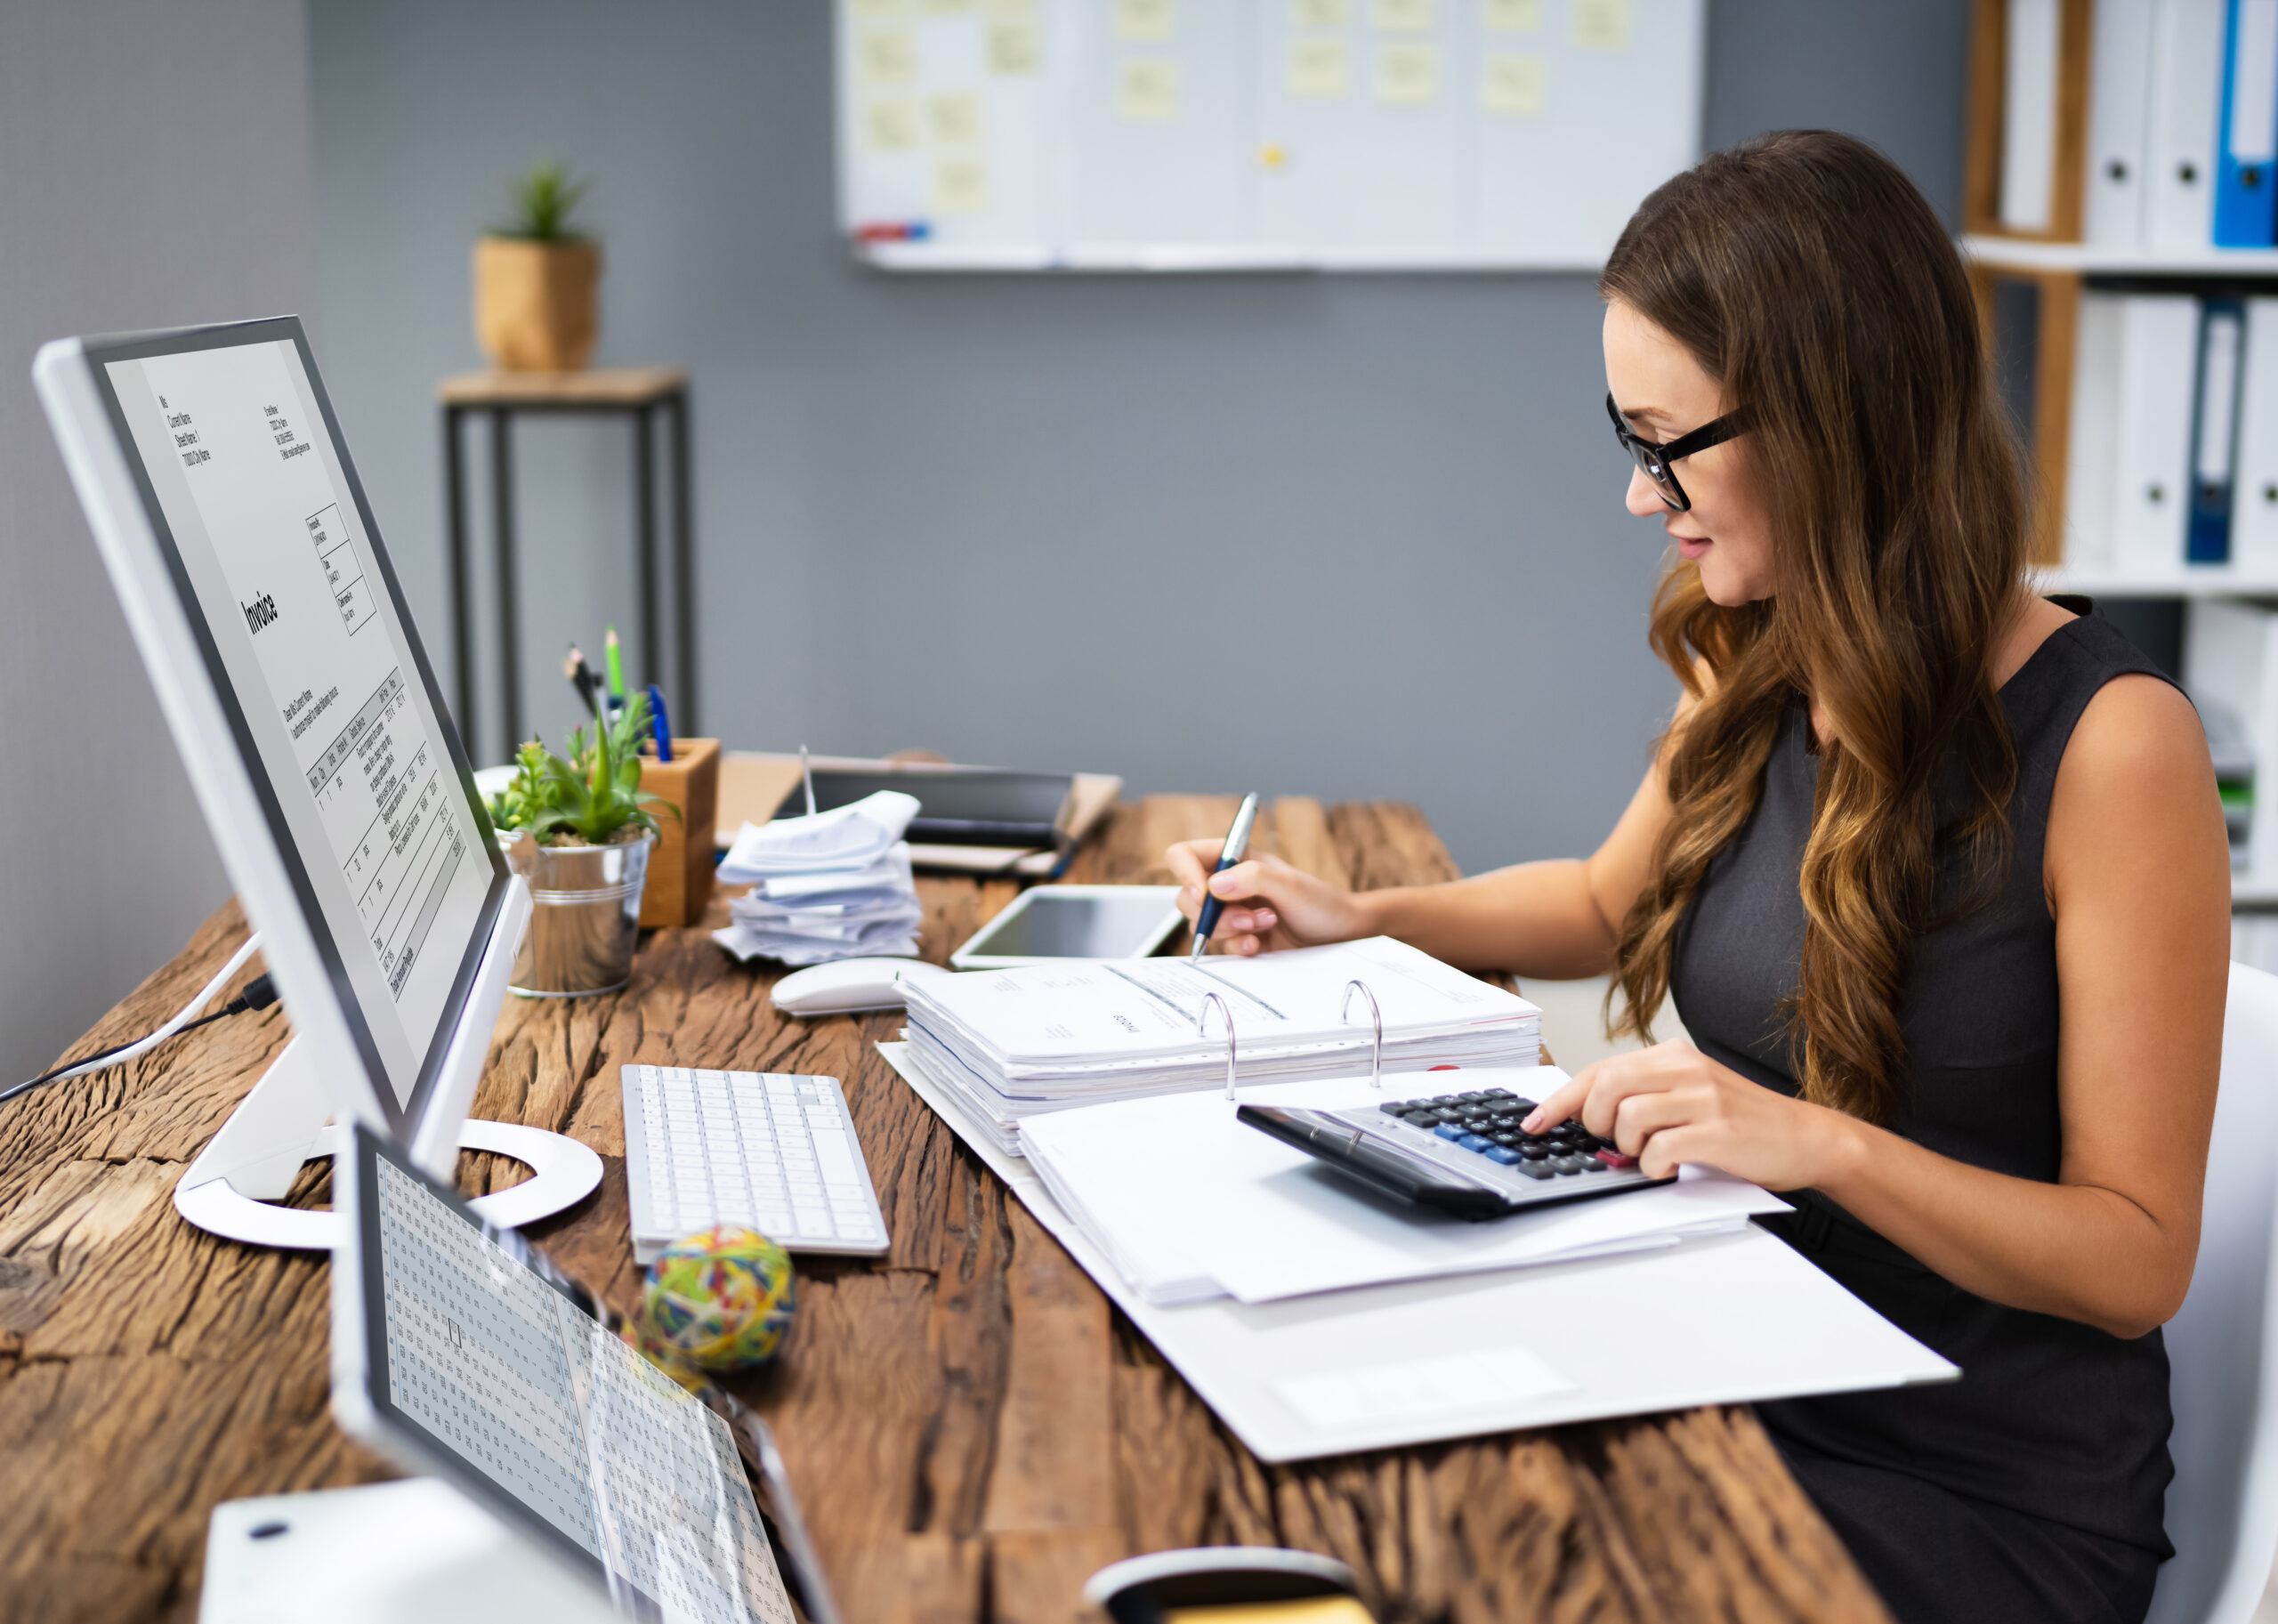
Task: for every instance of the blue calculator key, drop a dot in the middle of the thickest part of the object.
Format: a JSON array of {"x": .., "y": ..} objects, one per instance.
[
  {"x": 1473, "y": 1141},
  {"x": 1495, "y": 1152},
  {"x": 1449, "y": 1130}
]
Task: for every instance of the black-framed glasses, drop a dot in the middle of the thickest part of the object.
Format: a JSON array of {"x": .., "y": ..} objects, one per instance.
[{"x": 1653, "y": 461}]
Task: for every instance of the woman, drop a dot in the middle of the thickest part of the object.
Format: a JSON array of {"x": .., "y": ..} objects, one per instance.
[{"x": 1934, "y": 870}]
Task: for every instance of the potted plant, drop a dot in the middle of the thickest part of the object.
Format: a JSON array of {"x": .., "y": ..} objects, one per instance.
[
  {"x": 536, "y": 279},
  {"x": 579, "y": 831}
]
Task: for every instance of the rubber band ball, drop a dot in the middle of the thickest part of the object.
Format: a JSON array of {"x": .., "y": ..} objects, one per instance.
[{"x": 720, "y": 1301}]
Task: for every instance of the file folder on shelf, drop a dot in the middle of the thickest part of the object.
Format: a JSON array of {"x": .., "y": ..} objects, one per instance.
[
  {"x": 2119, "y": 91},
  {"x": 2187, "y": 40},
  {"x": 2214, "y": 430},
  {"x": 2029, "y": 114},
  {"x": 2246, "y": 185},
  {"x": 2254, "y": 483},
  {"x": 2159, "y": 337}
]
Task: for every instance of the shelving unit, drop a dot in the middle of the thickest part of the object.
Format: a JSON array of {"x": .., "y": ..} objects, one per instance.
[{"x": 2057, "y": 266}]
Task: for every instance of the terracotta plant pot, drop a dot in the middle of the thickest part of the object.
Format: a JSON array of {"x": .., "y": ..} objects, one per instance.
[{"x": 536, "y": 304}]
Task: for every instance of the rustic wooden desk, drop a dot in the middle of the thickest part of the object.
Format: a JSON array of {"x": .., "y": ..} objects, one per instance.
[{"x": 972, "y": 1428}]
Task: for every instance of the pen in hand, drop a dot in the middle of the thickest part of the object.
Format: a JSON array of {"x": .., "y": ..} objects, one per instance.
[{"x": 1230, "y": 853}]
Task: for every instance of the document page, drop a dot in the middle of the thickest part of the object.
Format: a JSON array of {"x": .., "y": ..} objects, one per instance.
[
  {"x": 314, "y": 645},
  {"x": 1107, "y": 1009}
]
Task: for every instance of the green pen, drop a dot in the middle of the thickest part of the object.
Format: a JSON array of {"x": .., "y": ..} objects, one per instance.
[{"x": 615, "y": 674}]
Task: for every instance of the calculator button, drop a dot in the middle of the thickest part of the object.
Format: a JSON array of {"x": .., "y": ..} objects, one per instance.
[
  {"x": 1535, "y": 1153},
  {"x": 1473, "y": 1141},
  {"x": 1498, "y": 1153},
  {"x": 1394, "y": 1108},
  {"x": 1449, "y": 1130},
  {"x": 1535, "y": 1169},
  {"x": 1615, "y": 1159}
]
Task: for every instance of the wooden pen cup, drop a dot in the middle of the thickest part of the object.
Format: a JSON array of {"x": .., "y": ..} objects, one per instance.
[{"x": 680, "y": 871}]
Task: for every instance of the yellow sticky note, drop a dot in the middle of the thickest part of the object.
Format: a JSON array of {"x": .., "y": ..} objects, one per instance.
[
  {"x": 1601, "y": 25},
  {"x": 961, "y": 185},
  {"x": 1320, "y": 70},
  {"x": 1320, "y": 13},
  {"x": 1511, "y": 16},
  {"x": 951, "y": 8},
  {"x": 1402, "y": 16},
  {"x": 891, "y": 126},
  {"x": 888, "y": 56},
  {"x": 957, "y": 120},
  {"x": 1408, "y": 74},
  {"x": 1147, "y": 89},
  {"x": 1015, "y": 48},
  {"x": 1150, "y": 20},
  {"x": 1512, "y": 87},
  {"x": 1012, "y": 8}
]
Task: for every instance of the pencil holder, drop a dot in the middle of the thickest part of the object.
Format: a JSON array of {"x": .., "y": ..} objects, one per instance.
[{"x": 679, "y": 877}]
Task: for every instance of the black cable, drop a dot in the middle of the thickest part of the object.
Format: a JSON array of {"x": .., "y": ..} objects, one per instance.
[{"x": 260, "y": 993}]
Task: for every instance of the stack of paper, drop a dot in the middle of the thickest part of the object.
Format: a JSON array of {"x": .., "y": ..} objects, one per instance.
[
  {"x": 1011, "y": 1043},
  {"x": 833, "y": 886},
  {"x": 1191, "y": 1204}
]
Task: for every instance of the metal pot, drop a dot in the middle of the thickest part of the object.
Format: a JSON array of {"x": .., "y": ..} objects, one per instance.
[{"x": 586, "y": 919}]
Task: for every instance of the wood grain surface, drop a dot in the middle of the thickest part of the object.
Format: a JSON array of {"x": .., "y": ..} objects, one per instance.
[{"x": 972, "y": 1428}]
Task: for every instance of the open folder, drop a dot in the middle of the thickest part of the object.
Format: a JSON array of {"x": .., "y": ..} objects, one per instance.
[{"x": 1191, "y": 1204}]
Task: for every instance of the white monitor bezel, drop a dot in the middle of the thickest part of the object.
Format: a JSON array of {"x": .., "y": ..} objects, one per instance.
[{"x": 209, "y": 726}]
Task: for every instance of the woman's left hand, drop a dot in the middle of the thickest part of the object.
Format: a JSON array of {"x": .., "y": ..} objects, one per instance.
[{"x": 1671, "y": 1104}]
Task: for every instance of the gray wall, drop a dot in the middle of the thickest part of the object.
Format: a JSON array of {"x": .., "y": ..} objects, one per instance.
[
  {"x": 154, "y": 169},
  {"x": 1355, "y": 537}
]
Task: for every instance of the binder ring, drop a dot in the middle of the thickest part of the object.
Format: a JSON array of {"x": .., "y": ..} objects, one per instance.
[
  {"x": 1203, "y": 1028},
  {"x": 1377, "y": 1017}
]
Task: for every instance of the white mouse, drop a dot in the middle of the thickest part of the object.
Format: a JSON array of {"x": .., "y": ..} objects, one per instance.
[{"x": 850, "y": 984}]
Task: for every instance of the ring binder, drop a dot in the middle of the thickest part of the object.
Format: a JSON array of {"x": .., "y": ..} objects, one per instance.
[
  {"x": 1202, "y": 1027},
  {"x": 1377, "y": 1017}
]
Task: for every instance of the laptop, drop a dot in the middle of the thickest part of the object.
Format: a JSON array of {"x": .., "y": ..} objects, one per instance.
[{"x": 460, "y": 1352}]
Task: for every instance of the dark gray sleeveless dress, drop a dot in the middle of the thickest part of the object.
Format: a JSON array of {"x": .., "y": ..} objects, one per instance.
[{"x": 2031, "y": 1488}]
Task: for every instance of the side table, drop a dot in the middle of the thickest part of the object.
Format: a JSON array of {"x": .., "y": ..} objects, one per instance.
[{"x": 640, "y": 393}]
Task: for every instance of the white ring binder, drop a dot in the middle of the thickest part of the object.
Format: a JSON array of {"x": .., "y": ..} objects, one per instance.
[
  {"x": 1202, "y": 1027},
  {"x": 1377, "y": 1017}
]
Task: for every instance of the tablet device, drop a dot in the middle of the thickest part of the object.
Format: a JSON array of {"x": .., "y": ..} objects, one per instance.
[
  {"x": 459, "y": 1352},
  {"x": 1074, "y": 922}
]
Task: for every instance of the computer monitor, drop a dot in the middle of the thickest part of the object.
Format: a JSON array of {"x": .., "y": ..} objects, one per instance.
[{"x": 239, "y": 538}]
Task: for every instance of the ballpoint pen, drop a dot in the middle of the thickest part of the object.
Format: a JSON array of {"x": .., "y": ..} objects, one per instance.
[
  {"x": 1229, "y": 854},
  {"x": 659, "y": 724},
  {"x": 808, "y": 774}
]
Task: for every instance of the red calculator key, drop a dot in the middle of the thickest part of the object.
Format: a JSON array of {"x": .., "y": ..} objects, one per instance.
[{"x": 1615, "y": 1159}]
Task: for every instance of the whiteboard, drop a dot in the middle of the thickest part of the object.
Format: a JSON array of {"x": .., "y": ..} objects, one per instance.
[{"x": 1211, "y": 134}]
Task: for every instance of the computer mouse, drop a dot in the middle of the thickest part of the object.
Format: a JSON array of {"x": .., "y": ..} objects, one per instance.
[{"x": 850, "y": 984}]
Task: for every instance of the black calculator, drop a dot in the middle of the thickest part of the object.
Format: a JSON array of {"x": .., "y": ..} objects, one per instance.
[{"x": 1459, "y": 1153}]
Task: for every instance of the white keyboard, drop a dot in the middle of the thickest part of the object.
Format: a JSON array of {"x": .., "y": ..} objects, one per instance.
[{"x": 766, "y": 1150}]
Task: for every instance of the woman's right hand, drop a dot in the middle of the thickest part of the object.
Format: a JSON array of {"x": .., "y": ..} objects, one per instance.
[{"x": 1269, "y": 905}]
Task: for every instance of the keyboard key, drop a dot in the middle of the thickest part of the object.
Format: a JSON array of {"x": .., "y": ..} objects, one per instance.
[
  {"x": 1473, "y": 1141},
  {"x": 1449, "y": 1130}
]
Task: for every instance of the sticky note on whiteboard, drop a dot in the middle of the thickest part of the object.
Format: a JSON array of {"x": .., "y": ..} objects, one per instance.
[
  {"x": 1408, "y": 74},
  {"x": 1512, "y": 16},
  {"x": 960, "y": 119},
  {"x": 1015, "y": 48},
  {"x": 1601, "y": 25},
  {"x": 888, "y": 56},
  {"x": 1148, "y": 89},
  {"x": 961, "y": 185},
  {"x": 1320, "y": 70},
  {"x": 1402, "y": 16},
  {"x": 1419, "y": 1389},
  {"x": 1150, "y": 20},
  {"x": 891, "y": 125},
  {"x": 1511, "y": 84},
  {"x": 1320, "y": 13}
]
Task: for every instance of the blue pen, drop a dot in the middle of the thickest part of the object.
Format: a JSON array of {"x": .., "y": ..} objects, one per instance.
[
  {"x": 659, "y": 724},
  {"x": 1229, "y": 854}
]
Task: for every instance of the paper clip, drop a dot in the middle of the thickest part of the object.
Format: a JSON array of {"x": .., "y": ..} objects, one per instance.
[
  {"x": 1377, "y": 1052},
  {"x": 1203, "y": 1028}
]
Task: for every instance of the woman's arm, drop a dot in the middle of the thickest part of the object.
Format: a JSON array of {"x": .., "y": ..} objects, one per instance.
[
  {"x": 2138, "y": 870},
  {"x": 1556, "y": 920}
]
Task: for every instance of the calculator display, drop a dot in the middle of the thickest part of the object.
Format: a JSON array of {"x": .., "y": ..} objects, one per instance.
[{"x": 500, "y": 1367}]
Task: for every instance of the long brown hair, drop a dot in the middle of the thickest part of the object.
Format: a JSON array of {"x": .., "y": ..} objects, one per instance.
[{"x": 1811, "y": 280}]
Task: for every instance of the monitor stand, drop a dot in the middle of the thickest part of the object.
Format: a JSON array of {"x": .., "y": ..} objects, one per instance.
[{"x": 287, "y": 1120}]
